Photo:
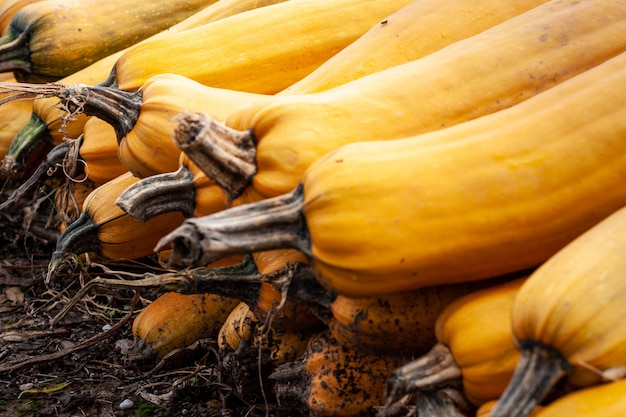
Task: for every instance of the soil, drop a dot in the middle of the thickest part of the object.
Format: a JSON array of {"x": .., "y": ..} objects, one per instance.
[{"x": 79, "y": 366}]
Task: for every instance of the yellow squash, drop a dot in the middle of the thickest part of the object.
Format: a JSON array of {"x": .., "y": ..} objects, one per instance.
[
  {"x": 98, "y": 151},
  {"x": 263, "y": 50},
  {"x": 475, "y": 200},
  {"x": 50, "y": 121},
  {"x": 414, "y": 31},
  {"x": 51, "y": 39},
  {"x": 495, "y": 69},
  {"x": 568, "y": 318}
]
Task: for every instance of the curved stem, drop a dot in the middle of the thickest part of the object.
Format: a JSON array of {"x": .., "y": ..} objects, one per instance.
[
  {"x": 15, "y": 52},
  {"x": 117, "y": 107},
  {"x": 54, "y": 158},
  {"x": 435, "y": 369},
  {"x": 275, "y": 223},
  {"x": 79, "y": 237},
  {"x": 30, "y": 136},
  {"x": 159, "y": 194},
  {"x": 538, "y": 370},
  {"x": 226, "y": 156}
]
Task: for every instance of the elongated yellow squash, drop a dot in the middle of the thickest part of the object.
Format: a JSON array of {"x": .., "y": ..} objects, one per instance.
[
  {"x": 568, "y": 318},
  {"x": 98, "y": 152},
  {"x": 50, "y": 123},
  {"x": 482, "y": 74},
  {"x": 52, "y": 39},
  {"x": 414, "y": 31},
  {"x": 479, "y": 199},
  {"x": 267, "y": 49}
]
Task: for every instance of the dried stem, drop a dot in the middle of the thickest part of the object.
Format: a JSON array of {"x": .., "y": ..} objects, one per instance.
[
  {"x": 537, "y": 371},
  {"x": 117, "y": 107},
  {"x": 436, "y": 369},
  {"x": 159, "y": 194},
  {"x": 275, "y": 223},
  {"x": 226, "y": 156}
]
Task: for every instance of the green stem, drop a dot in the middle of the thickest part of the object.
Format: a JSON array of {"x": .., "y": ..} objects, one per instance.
[
  {"x": 33, "y": 134},
  {"x": 159, "y": 194},
  {"x": 80, "y": 236},
  {"x": 15, "y": 52},
  {"x": 274, "y": 223}
]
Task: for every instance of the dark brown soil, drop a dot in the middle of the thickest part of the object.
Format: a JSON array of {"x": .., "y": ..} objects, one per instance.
[{"x": 78, "y": 367}]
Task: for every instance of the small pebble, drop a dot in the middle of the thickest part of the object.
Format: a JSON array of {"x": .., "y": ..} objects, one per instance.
[
  {"x": 66, "y": 344},
  {"x": 106, "y": 327},
  {"x": 126, "y": 404}
]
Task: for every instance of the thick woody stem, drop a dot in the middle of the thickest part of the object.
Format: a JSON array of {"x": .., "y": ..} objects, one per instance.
[
  {"x": 226, "y": 156},
  {"x": 275, "y": 223},
  {"x": 436, "y": 369},
  {"x": 159, "y": 194},
  {"x": 539, "y": 368},
  {"x": 117, "y": 107}
]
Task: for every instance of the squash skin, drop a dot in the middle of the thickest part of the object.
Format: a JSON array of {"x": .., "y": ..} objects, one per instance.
[
  {"x": 432, "y": 92},
  {"x": 99, "y": 152},
  {"x": 401, "y": 323},
  {"x": 333, "y": 380},
  {"x": 397, "y": 39}
]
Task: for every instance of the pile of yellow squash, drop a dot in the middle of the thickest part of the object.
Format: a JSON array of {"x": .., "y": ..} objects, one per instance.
[{"x": 382, "y": 208}]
